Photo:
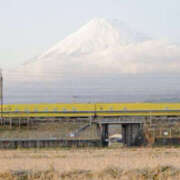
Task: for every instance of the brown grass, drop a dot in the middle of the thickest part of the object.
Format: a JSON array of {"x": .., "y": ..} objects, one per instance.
[
  {"x": 90, "y": 163},
  {"x": 161, "y": 173}
]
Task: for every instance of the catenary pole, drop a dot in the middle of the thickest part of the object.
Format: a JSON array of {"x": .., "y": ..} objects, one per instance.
[{"x": 1, "y": 95}]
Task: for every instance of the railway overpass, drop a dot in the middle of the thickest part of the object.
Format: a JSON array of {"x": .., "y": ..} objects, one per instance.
[{"x": 132, "y": 116}]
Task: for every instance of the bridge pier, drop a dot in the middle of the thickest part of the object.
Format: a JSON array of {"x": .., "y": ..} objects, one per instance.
[
  {"x": 105, "y": 134},
  {"x": 129, "y": 133}
]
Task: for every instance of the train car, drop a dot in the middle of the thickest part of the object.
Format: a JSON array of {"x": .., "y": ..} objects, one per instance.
[{"x": 90, "y": 109}]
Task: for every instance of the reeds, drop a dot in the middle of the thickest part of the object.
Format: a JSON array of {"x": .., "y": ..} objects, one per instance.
[
  {"x": 91, "y": 164},
  {"x": 111, "y": 173}
]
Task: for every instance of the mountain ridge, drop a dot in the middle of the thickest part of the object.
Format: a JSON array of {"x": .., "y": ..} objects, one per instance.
[{"x": 97, "y": 35}]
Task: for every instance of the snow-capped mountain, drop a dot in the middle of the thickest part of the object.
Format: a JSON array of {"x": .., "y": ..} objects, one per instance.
[
  {"x": 96, "y": 57},
  {"x": 97, "y": 35}
]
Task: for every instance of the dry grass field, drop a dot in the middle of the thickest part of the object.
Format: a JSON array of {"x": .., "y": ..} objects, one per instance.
[
  {"x": 90, "y": 163},
  {"x": 47, "y": 130}
]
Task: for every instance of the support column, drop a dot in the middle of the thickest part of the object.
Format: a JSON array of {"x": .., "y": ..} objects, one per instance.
[
  {"x": 129, "y": 133},
  {"x": 124, "y": 134},
  {"x": 105, "y": 134}
]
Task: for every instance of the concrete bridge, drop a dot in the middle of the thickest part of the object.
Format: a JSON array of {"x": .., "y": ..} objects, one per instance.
[{"x": 131, "y": 126}]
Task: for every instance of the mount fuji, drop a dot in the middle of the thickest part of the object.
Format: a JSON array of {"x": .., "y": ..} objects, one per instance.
[{"x": 102, "y": 61}]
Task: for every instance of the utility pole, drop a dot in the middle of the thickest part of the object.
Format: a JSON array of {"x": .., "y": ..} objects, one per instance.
[{"x": 1, "y": 95}]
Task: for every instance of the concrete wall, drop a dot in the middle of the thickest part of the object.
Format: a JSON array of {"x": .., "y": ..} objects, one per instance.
[{"x": 47, "y": 143}]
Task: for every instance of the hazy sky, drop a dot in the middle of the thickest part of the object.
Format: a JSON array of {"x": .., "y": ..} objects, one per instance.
[{"x": 28, "y": 27}]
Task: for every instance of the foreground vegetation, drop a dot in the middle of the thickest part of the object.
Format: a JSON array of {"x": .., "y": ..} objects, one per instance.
[
  {"x": 90, "y": 163},
  {"x": 164, "y": 173}
]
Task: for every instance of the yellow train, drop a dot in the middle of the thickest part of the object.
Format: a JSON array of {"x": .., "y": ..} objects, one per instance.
[{"x": 87, "y": 110}]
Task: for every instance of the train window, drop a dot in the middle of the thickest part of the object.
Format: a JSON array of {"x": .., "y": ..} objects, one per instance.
[{"x": 64, "y": 109}]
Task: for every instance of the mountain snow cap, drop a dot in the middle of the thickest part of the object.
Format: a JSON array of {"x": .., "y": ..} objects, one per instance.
[{"x": 97, "y": 35}]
